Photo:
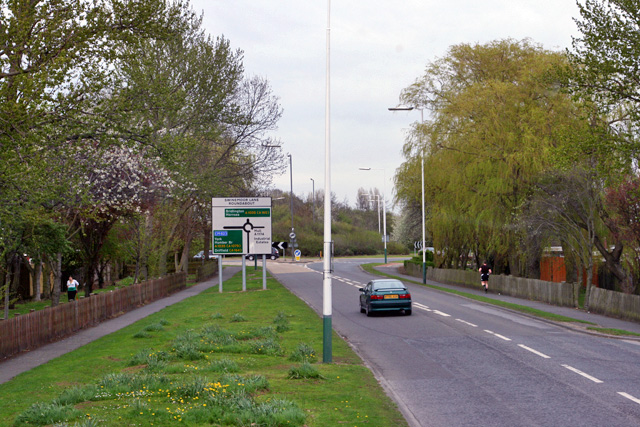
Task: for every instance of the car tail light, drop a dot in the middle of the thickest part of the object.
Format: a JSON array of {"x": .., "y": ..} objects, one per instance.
[
  {"x": 377, "y": 296},
  {"x": 405, "y": 296}
]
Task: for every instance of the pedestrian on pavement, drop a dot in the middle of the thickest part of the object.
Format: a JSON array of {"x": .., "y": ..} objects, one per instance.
[
  {"x": 484, "y": 271},
  {"x": 72, "y": 288}
]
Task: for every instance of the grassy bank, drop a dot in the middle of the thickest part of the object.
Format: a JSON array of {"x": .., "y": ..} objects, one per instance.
[{"x": 230, "y": 359}]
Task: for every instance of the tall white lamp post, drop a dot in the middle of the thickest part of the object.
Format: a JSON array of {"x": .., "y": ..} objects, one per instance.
[
  {"x": 424, "y": 248},
  {"x": 326, "y": 269},
  {"x": 313, "y": 197},
  {"x": 377, "y": 200},
  {"x": 384, "y": 210}
]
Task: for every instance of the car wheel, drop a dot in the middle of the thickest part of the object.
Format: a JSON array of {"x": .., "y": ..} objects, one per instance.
[
  {"x": 272, "y": 257},
  {"x": 368, "y": 311},
  {"x": 362, "y": 310},
  {"x": 407, "y": 312}
]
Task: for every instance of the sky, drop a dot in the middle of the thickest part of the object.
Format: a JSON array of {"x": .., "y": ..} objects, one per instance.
[{"x": 377, "y": 48}]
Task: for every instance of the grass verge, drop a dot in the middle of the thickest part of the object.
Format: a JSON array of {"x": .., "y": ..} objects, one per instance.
[
  {"x": 522, "y": 308},
  {"x": 223, "y": 359},
  {"x": 611, "y": 331}
]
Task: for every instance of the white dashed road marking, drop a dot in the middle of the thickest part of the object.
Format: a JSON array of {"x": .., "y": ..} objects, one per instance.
[
  {"x": 579, "y": 372},
  {"x": 467, "y": 323},
  {"x": 628, "y": 396},
  {"x": 441, "y": 313},
  {"x": 502, "y": 337},
  {"x": 421, "y": 306},
  {"x": 534, "y": 351}
]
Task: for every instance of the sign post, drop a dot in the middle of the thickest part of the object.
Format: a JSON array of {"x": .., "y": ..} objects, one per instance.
[{"x": 241, "y": 226}]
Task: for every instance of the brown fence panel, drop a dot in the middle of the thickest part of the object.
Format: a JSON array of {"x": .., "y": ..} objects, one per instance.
[{"x": 35, "y": 329}]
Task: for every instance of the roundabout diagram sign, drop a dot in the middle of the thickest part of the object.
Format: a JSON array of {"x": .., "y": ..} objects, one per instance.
[{"x": 241, "y": 225}]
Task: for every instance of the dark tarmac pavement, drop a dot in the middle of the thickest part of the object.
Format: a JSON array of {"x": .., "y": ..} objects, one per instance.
[{"x": 30, "y": 359}]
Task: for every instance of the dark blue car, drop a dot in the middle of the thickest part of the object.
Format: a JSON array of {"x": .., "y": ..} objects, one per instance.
[{"x": 385, "y": 295}]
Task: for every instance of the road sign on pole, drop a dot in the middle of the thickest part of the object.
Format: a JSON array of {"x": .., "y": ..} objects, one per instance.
[
  {"x": 241, "y": 225},
  {"x": 280, "y": 245}
]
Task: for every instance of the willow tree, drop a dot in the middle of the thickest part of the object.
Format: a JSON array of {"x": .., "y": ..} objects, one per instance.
[{"x": 494, "y": 108}]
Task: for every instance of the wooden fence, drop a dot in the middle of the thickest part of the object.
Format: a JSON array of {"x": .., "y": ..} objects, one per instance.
[
  {"x": 550, "y": 292},
  {"x": 35, "y": 329}
]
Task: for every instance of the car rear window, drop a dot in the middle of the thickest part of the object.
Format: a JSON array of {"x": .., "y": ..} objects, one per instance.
[{"x": 388, "y": 285}]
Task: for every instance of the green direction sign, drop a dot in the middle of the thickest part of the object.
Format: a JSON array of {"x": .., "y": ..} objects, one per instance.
[
  {"x": 241, "y": 225},
  {"x": 247, "y": 213},
  {"x": 227, "y": 241}
]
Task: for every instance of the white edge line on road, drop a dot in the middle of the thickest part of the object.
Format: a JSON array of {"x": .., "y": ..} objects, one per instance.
[
  {"x": 497, "y": 335},
  {"x": 628, "y": 396},
  {"x": 534, "y": 351},
  {"x": 579, "y": 372},
  {"x": 467, "y": 323}
]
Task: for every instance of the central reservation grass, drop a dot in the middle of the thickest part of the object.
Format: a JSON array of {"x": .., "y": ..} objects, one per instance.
[{"x": 230, "y": 359}]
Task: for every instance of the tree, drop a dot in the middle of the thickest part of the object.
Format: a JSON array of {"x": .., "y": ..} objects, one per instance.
[
  {"x": 194, "y": 109},
  {"x": 54, "y": 55},
  {"x": 111, "y": 182},
  {"x": 565, "y": 208},
  {"x": 607, "y": 59},
  {"x": 624, "y": 204},
  {"x": 603, "y": 76},
  {"x": 493, "y": 111}
]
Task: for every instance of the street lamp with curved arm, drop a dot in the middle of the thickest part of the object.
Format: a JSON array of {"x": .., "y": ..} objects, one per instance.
[{"x": 424, "y": 248}]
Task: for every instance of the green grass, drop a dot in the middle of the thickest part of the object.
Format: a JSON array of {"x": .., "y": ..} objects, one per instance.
[
  {"x": 195, "y": 366},
  {"x": 522, "y": 308},
  {"x": 611, "y": 331}
]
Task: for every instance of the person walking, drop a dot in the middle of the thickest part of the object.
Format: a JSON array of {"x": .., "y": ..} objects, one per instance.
[
  {"x": 484, "y": 271},
  {"x": 72, "y": 288}
]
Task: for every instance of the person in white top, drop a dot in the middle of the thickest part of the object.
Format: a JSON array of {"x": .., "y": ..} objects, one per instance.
[{"x": 72, "y": 288}]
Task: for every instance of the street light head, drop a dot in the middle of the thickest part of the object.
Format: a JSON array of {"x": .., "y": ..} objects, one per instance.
[
  {"x": 400, "y": 108},
  {"x": 365, "y": 169}
]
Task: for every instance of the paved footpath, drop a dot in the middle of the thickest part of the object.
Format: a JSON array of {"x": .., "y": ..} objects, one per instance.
[{"x": 30, "y": 359}]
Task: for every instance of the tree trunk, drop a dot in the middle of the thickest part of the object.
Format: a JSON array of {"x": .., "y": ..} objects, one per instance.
[
  {"x": 7, "y": 281},
  {"x": 612, "y": 261},
  {"x": 589, "y": 280},
  {"x": 15, "y": 282},
  {"x": 207, "y": 240},
  {"x": 184, "y": 262},
  {"x": 56, "y": 267},
  {"x": 576, "y": 290},
  {"x": 36, "y": 280},
  {"x": 46, "y": 281}
]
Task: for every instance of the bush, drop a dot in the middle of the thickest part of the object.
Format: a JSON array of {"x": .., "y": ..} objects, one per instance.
[
  {"x": 127, "y": 281},
  {"x": 304, "y": 353},
  {"x": 47, "y": 414},
  {"x": 305, "y": 370}
]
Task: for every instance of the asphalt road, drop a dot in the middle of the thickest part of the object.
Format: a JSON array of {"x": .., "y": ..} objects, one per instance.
[{"x": 458, "y": 362}]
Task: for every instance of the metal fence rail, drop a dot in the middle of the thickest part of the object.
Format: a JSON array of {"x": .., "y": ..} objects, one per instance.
[{"x": 35, "y": 329}]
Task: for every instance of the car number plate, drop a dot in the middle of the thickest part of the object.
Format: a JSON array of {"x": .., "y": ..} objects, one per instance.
[{"x": 391, "y": 297}]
